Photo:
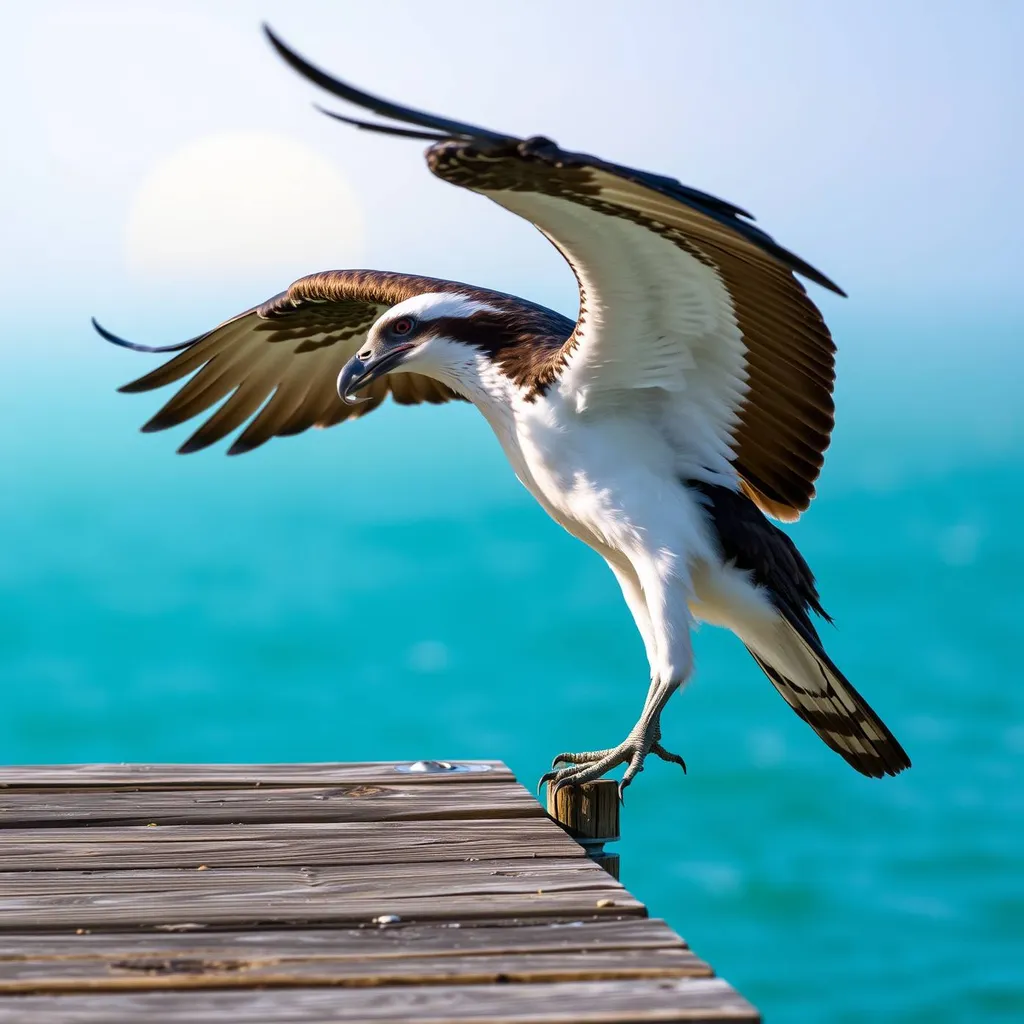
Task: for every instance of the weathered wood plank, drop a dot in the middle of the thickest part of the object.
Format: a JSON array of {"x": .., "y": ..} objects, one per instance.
[
  {"x": 589, "y": 1002},
  {"x": 402, "y": 801},
  {"x": 298, "y": 843},
  {"x": 225, "y": 776},
  {"x": 424, "y": 879},
  {"x": 507, "y": 936},
  {"x": 253, "y": 909},
  {"x": 234, "y": 896},
  {"x": 326, "y": 892},
  {"x": 148, "y": 973}
]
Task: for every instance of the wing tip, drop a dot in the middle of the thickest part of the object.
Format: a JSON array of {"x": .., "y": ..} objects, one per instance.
[
  {"x": 242, "y": 447},
  {"x": 377, "y": 104},
  {"x": 116, "y": 339},
  {"x": 272, "y": 36},
  {"x": 192, "y": 445},
  {"x": 829, "y": 285}
]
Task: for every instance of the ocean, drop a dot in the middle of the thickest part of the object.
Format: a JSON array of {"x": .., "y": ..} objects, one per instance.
[{"x": 388, "y": 590}]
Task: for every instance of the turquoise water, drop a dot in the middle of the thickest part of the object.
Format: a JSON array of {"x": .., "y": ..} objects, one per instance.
[{"x": 387, "y": 590}]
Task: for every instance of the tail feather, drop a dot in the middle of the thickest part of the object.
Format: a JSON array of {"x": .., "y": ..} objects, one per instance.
[
  {"x": 825, "y": 699},
  {"x": 785, "y": 643}
]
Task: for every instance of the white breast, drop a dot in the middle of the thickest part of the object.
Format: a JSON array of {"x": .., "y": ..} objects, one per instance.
[
  {"x": 609, "y": 478},
  {"x": 612, "y": 475}
]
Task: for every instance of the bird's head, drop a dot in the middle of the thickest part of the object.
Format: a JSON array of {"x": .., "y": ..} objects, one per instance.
[{"x": 430, "y": 334}]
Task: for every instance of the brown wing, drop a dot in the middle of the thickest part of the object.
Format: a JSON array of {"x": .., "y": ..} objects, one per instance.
[
  {"x": 657, "y": 271},
  {"x": 772, "y": 412},
  {"x": 277, "y": 364}
]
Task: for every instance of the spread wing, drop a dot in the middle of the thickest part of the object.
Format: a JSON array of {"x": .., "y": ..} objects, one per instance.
[
  {"x": 679, "y": 292},
  {"x": 277, "y": 364},
  {"x": 680, "y": 296}
]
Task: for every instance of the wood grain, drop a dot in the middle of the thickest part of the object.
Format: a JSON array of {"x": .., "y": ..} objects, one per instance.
[
  {"x": 412, "y": 879},
  {"x": 588, "y": 812},
  {"x": 416, "y": 801},
  {"x": 225, "y": 775},
  {"x": 298, "y": 843},
  {"x": 136, "y": 972},
  {"x": 489, "y": 936},
  {"x": 588, "y": 1002},
  {"x": 239, "y": 894},
  {"x": 357, "y": 894}
]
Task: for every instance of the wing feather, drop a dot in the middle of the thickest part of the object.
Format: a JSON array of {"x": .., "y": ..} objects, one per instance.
[
  {"x": 750, "y": 344},
  {"x": 677, "y": 287},
  {"x": 783, "y": 366},
  {"x": 276, "y": 365},
  {"x": 246, "y": 399},
  {"x": 273, "y": 418},
  {"x": 201, "y": 351},
  {"x": 678, "y": 293}
]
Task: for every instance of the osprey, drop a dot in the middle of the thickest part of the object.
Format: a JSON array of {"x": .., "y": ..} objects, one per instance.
[{"x": 689, "y": 401}]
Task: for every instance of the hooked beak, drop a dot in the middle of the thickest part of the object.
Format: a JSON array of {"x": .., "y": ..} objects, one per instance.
[{"x": 356, "y": 374}]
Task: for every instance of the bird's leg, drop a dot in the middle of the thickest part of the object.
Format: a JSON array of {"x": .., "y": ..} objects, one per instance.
[
  {"x": 667, "y": 674},
  {"x": 644, "y": 738},
  {"x": 591, "y": 756},
  {"x": 656, "y": 747},
  {"x": 637, "y": 603}
]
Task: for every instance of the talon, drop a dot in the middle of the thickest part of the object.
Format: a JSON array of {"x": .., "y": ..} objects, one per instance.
[
  {"x": 667, "y": 755},
  {"x": 544, "y": 779},
  {"x": 563, "y": 777},
  {"x": 635, "y": 766},
  {"x": 586, "y": 767}
]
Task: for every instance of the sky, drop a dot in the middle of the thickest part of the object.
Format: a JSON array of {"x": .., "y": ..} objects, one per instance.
[{"x": 164, "y": 169}]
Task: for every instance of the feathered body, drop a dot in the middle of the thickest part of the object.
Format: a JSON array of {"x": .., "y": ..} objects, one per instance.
[{"x": 690, "y": 400}]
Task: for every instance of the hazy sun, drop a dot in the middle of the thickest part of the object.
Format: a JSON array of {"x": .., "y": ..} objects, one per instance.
[{"x": 227, "y": 204}]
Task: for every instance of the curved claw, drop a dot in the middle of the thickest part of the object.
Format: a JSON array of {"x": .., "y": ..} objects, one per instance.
[
  {"x": 584, "y": 767},
  {"x": 667, "y": 755},
  {"x": 561, "y": 777},
  {"x": 558, "y": 776}
]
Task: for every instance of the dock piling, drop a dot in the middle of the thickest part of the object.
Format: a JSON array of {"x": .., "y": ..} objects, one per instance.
[{"x": 590, "y": 814}]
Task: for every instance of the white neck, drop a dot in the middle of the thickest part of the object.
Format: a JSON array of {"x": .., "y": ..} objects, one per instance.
[{"x": 470, "y": 373}]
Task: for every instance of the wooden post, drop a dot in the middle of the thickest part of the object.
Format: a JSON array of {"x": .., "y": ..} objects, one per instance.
[{"x": 590, "y": 814}]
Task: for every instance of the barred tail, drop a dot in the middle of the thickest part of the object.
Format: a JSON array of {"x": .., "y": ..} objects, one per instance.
[{"x": 795, "y": 661}]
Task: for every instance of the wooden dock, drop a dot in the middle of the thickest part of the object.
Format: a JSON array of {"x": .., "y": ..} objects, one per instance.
[{"x": 323, "y": 892}]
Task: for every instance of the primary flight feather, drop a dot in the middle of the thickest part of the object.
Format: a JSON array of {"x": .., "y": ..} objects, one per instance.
[{"x": 691, "y": 399}]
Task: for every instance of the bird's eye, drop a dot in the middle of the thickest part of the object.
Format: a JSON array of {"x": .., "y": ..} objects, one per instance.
[{"x": 403, "y": 325}]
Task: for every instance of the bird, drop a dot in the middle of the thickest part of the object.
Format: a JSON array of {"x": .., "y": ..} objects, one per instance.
[{"x": 685, "y": 410}]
